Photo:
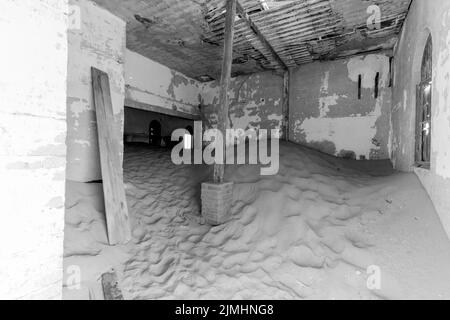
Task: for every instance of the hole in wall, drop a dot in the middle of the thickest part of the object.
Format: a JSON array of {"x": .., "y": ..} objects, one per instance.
[
  {"x": 205, "y": 78},
  {"x": 377, "y": 83},
  {"x": 359, "y": 86},
  {"x": 145, "y": 21},
  {"x": 391, "y": 71}
]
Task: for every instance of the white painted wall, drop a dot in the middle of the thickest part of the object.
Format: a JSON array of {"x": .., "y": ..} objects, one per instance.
[
  {"x": 100, "y": 43},
  {"x": 155, "y": 84},
  {"x": 33, "y": 64},
  {"x": 425, "y": 18}
]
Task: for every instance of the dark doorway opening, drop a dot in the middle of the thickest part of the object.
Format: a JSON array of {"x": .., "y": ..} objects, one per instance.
[
  {"x": 148, "y": 128},
  {"x": 155, "y": 133}
]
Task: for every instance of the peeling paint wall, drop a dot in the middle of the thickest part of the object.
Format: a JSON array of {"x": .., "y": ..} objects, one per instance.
[
  {"x": 425, "y": 17},
  {"x": 155, "y": 84},
  {"x": 32, "y": 147},
  {"x": 100, "y": 43},
  {"x": 326, "y": 114},
  {"x": 255, "y": 101}
]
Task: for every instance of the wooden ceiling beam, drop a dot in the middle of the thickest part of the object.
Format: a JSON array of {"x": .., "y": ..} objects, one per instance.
[{"x": 241, "y": 11}]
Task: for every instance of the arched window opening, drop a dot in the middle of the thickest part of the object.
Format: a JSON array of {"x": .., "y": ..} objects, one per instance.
[{"x": 423, "y": 112}]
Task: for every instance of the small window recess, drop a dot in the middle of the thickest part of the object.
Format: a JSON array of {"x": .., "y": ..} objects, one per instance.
[
  {"x": 391, "y": 72},
  {"x": 359, "y": 86},
  {"x": 377, "y": 84}
]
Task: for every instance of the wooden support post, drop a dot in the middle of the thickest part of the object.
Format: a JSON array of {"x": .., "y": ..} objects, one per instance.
[
  {"x": 286, "y": 105},
  {"x": 112, "y": 174},
  {"x": 223, "y": 118}
]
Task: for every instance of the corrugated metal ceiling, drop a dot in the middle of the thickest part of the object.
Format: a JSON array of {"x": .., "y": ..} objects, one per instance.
[{"x": 187, "y": 35}]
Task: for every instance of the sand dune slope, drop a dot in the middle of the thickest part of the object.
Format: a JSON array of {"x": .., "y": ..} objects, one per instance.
[{"x": 314, "y": 231}]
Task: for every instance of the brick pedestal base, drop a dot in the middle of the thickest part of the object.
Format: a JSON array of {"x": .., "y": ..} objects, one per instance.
[{"x": 216, "y": 202}]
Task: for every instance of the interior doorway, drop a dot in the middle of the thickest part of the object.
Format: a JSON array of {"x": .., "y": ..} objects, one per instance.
[{"x": 155, "y": 133}]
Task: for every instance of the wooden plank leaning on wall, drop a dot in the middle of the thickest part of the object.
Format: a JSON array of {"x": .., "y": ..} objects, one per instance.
[{"x": 117, "y": 219}]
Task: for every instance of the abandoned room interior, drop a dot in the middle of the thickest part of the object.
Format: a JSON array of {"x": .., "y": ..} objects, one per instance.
[{"x": 97, "y": 96}]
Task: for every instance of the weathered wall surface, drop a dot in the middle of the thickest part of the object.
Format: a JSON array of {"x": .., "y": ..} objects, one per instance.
[
  {"x": 138, "y": 122},
  {"x": 326, "y": 114},
  {"x": 32, "y": 147},
  {"x": 255, "y": 101},
  {"x": 154, "y": 84},
  {"x": 100, "y": 43},
  {"x": 424, "y": 18}
]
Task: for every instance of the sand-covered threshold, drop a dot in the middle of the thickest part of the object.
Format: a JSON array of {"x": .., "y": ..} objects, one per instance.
[{"x": 309, "y": 232}]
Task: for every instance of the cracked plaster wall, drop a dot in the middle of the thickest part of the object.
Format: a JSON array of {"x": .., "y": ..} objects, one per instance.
[
  {"x": 154, "y": 84},
  {"x": 326, "y": 114},
  {"x": 99, "y": 43},
  {"x": 255, "y": 101}
]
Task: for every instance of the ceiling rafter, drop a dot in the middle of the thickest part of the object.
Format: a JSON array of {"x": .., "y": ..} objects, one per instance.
[
  {"x": 188, "y": 35},
  {"x": 241, "y": 11}
]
